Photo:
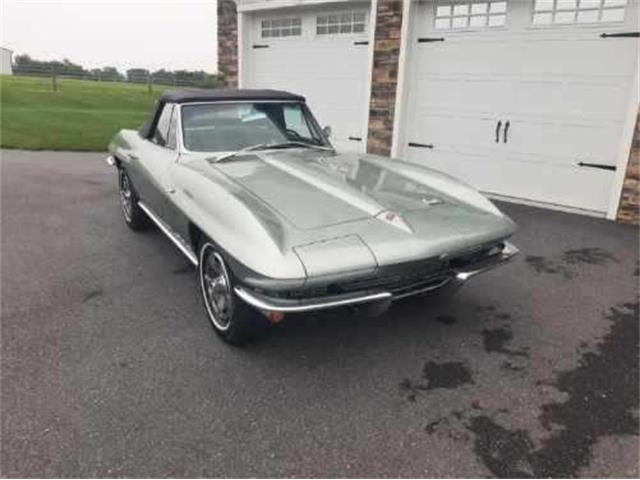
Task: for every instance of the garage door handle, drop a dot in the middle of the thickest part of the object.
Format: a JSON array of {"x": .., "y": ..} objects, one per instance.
[
  {"x": 621, "y": 35},
  {"x": 420, "y": 145},
  {"x": 505, "y": 134},
  {"x": 601, "y": 166},
  {"x": 355, "y": 139},
  {"x": 261, "y": 46},
  {"x": 498, "y": 125},
  {"x": 363, "y": 42},
  {"x": 430, "y": 39}
]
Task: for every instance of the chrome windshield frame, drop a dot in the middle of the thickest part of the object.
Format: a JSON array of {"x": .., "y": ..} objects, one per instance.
[{"x": 182, "y": 148}]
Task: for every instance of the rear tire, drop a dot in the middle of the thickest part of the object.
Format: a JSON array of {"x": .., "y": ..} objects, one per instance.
[
  {"x": 133, "y": 215},
  {"x": 235, "y": 321}
]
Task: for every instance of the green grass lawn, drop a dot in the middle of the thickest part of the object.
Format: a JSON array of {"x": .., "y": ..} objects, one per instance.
[{"x": 81, "y": 115}]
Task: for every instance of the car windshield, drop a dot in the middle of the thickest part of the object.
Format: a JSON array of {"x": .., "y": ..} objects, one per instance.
[{"x": 223, "y": 127}]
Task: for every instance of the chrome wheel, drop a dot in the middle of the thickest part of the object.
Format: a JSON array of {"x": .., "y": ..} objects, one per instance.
[
  {"x": 216, "y": 287},
  {"x": 126, "y": 196}
]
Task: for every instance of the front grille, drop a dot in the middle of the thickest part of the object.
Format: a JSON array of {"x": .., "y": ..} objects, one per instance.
[{"x": 400, "y": 278}]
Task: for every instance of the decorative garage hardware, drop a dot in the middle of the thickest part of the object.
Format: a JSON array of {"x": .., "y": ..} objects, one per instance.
[
  {"x": 505, "y": 132},
  {"x": 429, "y": 40},
  {"x": 363, "y": 42},
  {"x": 621, "y": 35},
  {"x": 356, "y": 139},
  {"x": 420, "y": 145},
  {"x": 260, "y": 46},
  {"x": 601, "y": 166}
]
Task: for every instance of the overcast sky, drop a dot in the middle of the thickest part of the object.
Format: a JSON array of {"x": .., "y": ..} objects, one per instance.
[{"x": 159, "y": 34}]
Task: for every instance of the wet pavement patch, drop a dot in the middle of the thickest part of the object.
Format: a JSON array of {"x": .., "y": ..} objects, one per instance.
[
  {"x": 495, "y": 341},
  {"x": 591, "y": 256},
  {"x": 437, "y": 375},
  {"x": 543, "y": 265},
  {"x": 598, "y": 404},
  {"x": 446, "y": 375}
]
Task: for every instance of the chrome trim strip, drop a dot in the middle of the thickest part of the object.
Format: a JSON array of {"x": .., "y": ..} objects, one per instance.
[
  {"x": 169, "y": 233},
  {"x": 282, "y": 305},
  {"x": 423, "y": 290},
  {"x": 509, "y": 251}
]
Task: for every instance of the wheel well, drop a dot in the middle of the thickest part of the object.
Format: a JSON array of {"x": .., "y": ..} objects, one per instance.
[{"x": 194, "y": 236}]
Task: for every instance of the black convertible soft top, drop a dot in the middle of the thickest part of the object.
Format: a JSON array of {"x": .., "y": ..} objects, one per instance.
[
  {"x": 214, "y": 95},
  {"x": 226, "y": 94}
]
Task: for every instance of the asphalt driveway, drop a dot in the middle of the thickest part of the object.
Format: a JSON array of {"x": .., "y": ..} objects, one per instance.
[{"x": 109, "y": 367}]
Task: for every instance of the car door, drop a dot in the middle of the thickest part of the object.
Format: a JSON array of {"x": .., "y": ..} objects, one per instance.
[{"x": 154, "y": 158}]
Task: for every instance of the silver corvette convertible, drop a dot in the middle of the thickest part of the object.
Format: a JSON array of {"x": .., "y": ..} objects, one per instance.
[{"x": 248, "y": 187}]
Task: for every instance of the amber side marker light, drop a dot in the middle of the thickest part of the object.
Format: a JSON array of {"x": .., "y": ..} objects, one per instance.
[{"x": 275, "y": 317}]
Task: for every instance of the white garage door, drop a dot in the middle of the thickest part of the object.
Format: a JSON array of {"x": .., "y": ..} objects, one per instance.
[
  {"x": 523, "y": 98},
  {"x": 322, "y": 54}
]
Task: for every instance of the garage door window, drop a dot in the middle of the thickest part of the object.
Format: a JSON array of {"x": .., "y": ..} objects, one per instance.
[
  {"x": 452, "y": 15},
  {"x": 282, "y": 27},
  {"x": 339, "y": 23},
  {"x": 564, "y": 12}
]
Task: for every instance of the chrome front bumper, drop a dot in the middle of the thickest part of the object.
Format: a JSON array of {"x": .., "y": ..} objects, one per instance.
[{"x": 271, "y": 304}]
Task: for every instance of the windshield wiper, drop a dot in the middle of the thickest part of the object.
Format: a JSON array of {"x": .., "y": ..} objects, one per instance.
[
  {"x": 229, "y": 155},
  {"x": 295, "y": 143}
]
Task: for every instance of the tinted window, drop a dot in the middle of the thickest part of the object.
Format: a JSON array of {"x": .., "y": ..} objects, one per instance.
[{"x": 162, "y": 128}]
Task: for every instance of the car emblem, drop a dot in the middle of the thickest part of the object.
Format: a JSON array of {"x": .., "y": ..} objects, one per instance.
[{"x": 431, "y": 201}]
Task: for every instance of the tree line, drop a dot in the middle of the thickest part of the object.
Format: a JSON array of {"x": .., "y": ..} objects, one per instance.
[{"x": 25, "y": 65}]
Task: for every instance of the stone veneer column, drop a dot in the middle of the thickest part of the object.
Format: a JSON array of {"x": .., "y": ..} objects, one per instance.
[
  {"x": 228, "y": 42},
  {"x": 384, "y": 77},
  {"x": 629, "y": 209}
]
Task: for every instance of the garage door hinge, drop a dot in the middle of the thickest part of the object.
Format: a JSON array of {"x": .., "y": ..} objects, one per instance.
[
  {"x": 621, "y": 35},
  {"x": 601, "y": 166},
  {"x": 363, "y": 42},
  {"x": 430, "y": 39},
  {"x": 261, "y": 46},
  {"x": 420, "y": 145}
]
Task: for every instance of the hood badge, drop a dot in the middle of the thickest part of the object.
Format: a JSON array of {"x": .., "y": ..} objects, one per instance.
[
  {"x": 394, "y": 219},
  {"x": 431, "y": 201}
]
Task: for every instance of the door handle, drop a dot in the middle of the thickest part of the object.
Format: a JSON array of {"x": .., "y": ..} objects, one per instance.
[
  {"x": 131, "y": 156},
  {"x": 505, "y": 133},
  {"x": 498, "y": 125}
]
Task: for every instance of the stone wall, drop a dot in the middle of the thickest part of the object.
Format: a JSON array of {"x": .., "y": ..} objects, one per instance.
[
  {"x": 384, "y": 77},
  {"x": 629, "y": 209},
  {"x": 228, "y": 42}
]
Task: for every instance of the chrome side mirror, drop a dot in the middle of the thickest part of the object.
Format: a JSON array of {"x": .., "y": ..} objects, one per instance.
[{"x": 327, "y": 131}]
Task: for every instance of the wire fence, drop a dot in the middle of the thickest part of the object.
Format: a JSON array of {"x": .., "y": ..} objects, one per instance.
[{"x": 135, "y": 76}]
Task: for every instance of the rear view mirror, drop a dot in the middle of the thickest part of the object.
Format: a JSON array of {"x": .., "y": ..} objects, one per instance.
[{"x": 327, "y": 131}]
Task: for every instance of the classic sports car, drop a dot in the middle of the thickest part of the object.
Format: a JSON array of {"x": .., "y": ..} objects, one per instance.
[{"x": 247, "y": 185}]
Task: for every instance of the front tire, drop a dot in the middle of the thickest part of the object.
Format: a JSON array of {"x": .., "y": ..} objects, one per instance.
[
  {"x": 133, "y": 215},
  {"x": 232, "y": 319}
]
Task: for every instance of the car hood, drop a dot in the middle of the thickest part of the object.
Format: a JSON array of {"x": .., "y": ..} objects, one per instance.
[{"x": 313, "y": 189}]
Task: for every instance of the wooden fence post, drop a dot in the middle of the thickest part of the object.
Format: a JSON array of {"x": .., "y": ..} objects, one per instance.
[{"x": 54, "y": 79}]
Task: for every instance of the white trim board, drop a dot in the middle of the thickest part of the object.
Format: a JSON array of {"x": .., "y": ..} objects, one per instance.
[{"x": 252, "y": 6}]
